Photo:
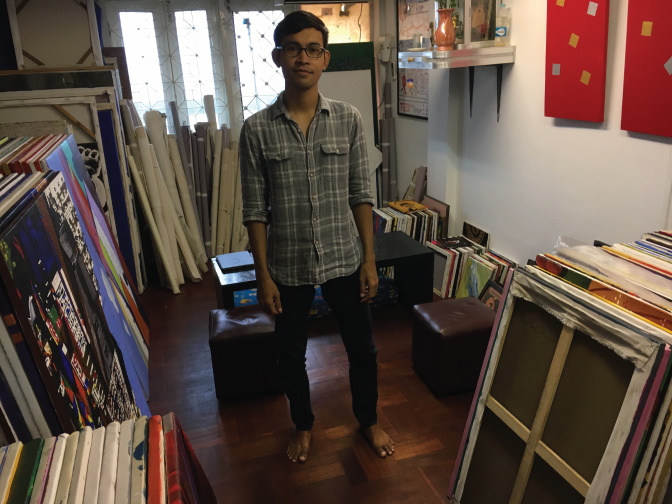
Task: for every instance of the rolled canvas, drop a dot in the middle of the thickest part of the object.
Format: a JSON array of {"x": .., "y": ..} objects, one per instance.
[
  {"x": 155, "y": 200},
  {"x": 167, "y": 209}
]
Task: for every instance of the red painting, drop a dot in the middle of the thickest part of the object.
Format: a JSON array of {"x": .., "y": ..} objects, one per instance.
[
  {"x": 576, "y": 59},
  {"x": 647, "y": 88}
]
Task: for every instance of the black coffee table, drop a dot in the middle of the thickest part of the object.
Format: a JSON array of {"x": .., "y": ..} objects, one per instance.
[{"x": 413, "y": 271}]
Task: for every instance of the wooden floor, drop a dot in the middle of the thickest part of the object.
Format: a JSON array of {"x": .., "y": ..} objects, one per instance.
[{"x": 242, "y": 445}]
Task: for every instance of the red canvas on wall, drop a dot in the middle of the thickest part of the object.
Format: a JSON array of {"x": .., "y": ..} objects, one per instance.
[
  {"x": 576, "y": 59},
  {"x": 647, "y": 88}
]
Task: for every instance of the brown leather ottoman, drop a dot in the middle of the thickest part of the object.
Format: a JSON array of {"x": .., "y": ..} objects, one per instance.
[
  {"x": 243, "y": 351},
  {"x": 450, "y": 338}
]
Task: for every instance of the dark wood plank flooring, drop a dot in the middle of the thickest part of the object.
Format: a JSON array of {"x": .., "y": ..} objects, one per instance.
[{"x": 242, "y": 445}]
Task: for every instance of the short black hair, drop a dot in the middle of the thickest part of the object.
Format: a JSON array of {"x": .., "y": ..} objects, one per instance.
[{"x": 298, "y": 21}]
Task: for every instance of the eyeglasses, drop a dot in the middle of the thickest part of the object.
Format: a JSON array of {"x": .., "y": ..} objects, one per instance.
[{"x": 293, "y": 51}]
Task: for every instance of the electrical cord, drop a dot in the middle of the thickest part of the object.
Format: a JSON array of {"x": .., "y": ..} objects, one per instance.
[{"x": 361, "y": 8}]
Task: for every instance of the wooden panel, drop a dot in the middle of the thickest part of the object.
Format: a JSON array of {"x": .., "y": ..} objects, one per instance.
[
  {"x": 587, "y": 403},
  {"x": 525, "y": 360},
  {"x": 497, "y": 456},
  {"x": 542, "y": 413}
]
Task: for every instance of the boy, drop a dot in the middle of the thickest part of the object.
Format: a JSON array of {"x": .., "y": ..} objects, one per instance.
[{"x": 304, "y": 166}]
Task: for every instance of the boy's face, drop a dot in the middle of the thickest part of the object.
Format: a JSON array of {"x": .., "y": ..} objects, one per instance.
[{"x": 301, "y": 72}]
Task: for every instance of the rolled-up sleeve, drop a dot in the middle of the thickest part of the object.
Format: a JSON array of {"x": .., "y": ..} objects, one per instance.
[
  {"x": 253, "y": 177},
  {"x": 359, "y": 189}
]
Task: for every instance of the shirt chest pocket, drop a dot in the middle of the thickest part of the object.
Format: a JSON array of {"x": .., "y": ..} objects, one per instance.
[
  {"x": 333, "y": 162},
  {"x": 281, "y": 169}
]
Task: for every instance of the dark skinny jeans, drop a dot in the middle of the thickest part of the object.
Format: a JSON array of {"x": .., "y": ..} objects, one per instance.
[{"x": 354, "y": 320}]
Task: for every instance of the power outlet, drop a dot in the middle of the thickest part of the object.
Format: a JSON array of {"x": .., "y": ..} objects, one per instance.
[{"x": 384, "y": 47}]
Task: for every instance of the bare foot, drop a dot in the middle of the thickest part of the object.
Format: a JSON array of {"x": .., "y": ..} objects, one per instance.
[
  {"x": 381, "y": 443},
  {"x": 299, "y": 445}
]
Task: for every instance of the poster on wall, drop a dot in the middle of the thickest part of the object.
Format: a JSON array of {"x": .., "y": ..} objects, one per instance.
[
  {"x": 413, "y": 20},
  {"x": 647, "y": 84},
  {"x": 576, "y": 59},
  {"x": 413, "y": 92}
]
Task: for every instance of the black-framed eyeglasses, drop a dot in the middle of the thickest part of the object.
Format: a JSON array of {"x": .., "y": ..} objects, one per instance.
[{"x": 293, "y": 51}]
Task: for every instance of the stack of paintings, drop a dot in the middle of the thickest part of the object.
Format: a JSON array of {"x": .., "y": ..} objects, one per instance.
[
  {"x": 74, "y": 338},
  {"x": 134, "y": 462},
  {"x": 463, "y": 265},
  {"x": 575, "y": 394}
]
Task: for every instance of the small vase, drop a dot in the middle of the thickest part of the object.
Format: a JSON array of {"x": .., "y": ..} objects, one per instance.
[{"x": 445, "y": 33}]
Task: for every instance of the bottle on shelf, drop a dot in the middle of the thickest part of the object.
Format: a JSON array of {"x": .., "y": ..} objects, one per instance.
[{"x": 503, "y": 26}]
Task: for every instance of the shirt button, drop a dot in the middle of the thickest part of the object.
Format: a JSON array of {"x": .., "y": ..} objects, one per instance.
[
  {"x": 309, "y": 152},
  {"x": 277, "y": 158},
  {"x": 310, "y": 175},
  {"x": 314, "y": 196},
  {"x": 317, "y": 241},
  {"x": 337, "y": 150},
  {"x": 314, "y": 219}
]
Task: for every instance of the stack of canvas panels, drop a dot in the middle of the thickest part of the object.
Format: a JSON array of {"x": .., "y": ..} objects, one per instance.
[
  {"x": 88, "y": 99},
  {"x": 73, "y": 337},
  {"x": 134, "y": 462},
  {"x": 574, "y": 399}
]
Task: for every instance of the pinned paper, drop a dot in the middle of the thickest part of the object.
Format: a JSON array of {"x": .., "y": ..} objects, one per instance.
[
  {"x": 592, "y": 8},
  {"x": 585, "y": 77},
  {"x": 556, "y": 69},
  {"x": 668, "y": 66},
  {"x": 647, "y": 26},
  {"x": 574, "y": 40},
  {"x": 561, "y": 3}
]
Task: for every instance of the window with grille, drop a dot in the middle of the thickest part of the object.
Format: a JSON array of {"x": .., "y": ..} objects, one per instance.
[
  {"x": 260, "y": 80},
  {"x": 174, "y": 53}
]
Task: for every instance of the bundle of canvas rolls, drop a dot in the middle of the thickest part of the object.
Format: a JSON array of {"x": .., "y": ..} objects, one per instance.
[{"x": 188, "y": 187}]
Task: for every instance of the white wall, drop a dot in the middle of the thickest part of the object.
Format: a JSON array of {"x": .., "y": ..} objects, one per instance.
[{"x": 528, "y": 178}]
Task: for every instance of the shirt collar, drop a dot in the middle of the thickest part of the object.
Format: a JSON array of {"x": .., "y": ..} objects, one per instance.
[{"x": 278, "y": 107}]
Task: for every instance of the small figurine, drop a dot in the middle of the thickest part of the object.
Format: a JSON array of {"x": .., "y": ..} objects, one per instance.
[{"x": 432, "y": 39}]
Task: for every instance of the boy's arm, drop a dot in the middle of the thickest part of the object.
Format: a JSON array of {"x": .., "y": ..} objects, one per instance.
[{"x": 254, "y": 185}]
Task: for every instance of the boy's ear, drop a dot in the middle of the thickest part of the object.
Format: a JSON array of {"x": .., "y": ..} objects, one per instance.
[{"x": 275, "y": 54}]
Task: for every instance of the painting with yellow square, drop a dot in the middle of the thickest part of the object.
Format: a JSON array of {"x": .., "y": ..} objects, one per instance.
[{"x": 574, "y": 40}]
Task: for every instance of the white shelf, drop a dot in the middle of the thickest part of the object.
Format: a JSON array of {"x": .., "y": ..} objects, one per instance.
[{"x": 457, "y": 58}]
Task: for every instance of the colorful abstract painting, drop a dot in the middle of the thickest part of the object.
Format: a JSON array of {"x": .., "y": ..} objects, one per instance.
[
  {"x": 576, "y": 59},
  {"x": 49, "y": 274},
  {"x": 647, "y": 86},
  {"x": 121, "y": 306}
]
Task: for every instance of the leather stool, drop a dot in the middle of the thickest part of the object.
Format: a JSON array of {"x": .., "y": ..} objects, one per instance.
[
  {"x": 243, "y": 351},
  {"x": 450, "y": 338}
]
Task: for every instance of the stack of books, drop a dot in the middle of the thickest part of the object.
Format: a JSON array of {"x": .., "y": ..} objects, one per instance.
[
  {"x": 129, "y": 463},
  {"x": 416, "y": 220}
]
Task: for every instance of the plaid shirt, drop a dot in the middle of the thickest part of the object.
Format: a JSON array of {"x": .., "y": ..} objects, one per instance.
[{"x": 304, "y": 188}]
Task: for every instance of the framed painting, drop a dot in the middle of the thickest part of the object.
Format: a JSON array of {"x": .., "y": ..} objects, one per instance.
[
  {"x": 576, "y": 59},
  {"x": 647, "y": 101},
  {"x": 482, "y": 23},
  {"x": 443, "y": 262},
  {"x": 491, "y": 295}
]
